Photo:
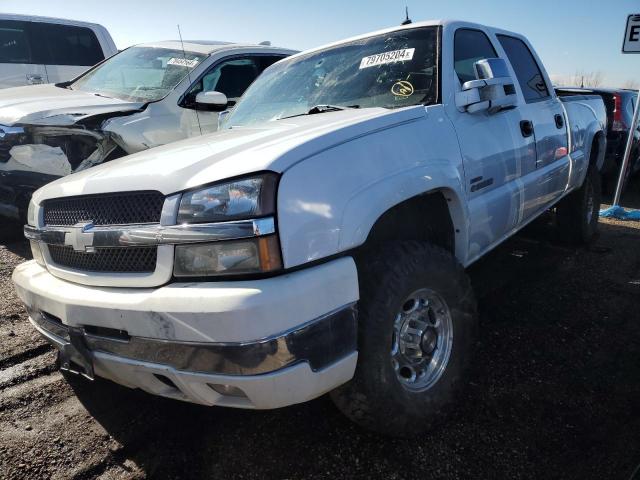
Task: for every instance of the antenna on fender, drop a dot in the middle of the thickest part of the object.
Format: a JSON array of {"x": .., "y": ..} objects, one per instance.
[
  {"x": 186, "y": 64},
  {"x": 407, "y": 20}
]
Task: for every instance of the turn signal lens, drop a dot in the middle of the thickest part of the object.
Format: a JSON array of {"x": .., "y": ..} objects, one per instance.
[{"x": 237, "y": 257}]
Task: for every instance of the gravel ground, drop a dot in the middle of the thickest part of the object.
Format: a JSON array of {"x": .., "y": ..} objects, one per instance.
[{"x": 554, "y": 391}]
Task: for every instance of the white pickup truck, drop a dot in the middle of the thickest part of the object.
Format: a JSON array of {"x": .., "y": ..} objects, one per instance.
[{"x": 318, "y": 242}]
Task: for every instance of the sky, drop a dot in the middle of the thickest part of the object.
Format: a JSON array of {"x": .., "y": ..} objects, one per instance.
[{"x": 570, "y": 36}]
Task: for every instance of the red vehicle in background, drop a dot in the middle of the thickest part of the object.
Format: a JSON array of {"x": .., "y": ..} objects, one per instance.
[{"x": 619, "y": 104}]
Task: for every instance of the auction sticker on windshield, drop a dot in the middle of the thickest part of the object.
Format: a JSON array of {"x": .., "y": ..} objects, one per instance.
[
  {"x": 182, "y": 62},
  {"x": 387, "y": 57}
]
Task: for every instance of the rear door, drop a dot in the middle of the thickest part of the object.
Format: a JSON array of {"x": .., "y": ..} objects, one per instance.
[
  {"x": 544, "y": 115},
  {"x": 495, "y": 153},
  {"x": 66, "y": 50},
  {"x": 18, "y": 65}
]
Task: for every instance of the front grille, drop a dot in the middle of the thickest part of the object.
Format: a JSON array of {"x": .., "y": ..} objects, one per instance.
[
  {"x": 105, "y": 209},
  {"x": 110, "y": 260}
]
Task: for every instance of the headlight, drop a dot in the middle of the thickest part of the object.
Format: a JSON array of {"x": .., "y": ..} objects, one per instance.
[
  {"x": 240, "y": 199},
  {"x": 237, "y": 199},
  {"x": 234, "y": 257}
]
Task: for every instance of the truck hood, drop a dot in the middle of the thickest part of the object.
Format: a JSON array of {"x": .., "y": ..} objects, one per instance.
[
  {"x": 51, "y": 105},
  {"x": 274, "y": 146}
]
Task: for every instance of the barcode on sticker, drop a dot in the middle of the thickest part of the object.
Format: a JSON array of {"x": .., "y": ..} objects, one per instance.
[
  {"x": 182, "y": 62},
  {"x": 387, "y": 57}
]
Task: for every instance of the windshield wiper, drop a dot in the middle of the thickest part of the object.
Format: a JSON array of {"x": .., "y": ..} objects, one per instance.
[
  {"x": 328, "y": 108},
  {"x": 322, "y": 109},
  {"x": 100, "y": 95}
]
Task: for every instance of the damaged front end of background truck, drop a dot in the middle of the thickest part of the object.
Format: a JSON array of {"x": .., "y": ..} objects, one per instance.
[
  {"x": 34, "y": 154},
  {"x": 145, "y": 96}
]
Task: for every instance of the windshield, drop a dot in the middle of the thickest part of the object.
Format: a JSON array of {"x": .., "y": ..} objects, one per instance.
[
  {"x": 393, "y": 70},
  {"x": 139, "y": 74}
]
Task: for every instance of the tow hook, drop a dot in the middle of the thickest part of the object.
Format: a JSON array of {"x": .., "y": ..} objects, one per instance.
[{"x": 74, "y": 357}]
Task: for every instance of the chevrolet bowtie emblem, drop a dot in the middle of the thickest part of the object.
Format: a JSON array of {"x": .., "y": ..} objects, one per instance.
[{"x": 79, "y": 238}]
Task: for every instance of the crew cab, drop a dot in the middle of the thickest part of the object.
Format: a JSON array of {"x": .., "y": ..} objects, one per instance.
[
  {"x": 318, "y": 241},
  {"x": 145, "y": 96}
]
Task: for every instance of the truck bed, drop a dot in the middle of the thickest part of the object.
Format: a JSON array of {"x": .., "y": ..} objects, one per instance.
[{"x": 583, "y": 110}]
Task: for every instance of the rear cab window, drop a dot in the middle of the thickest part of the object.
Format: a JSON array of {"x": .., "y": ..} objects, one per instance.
[
  {"x": 14, "y": 42},
  {"x": 528, "y": 72},
  {"x": 469, "y": 47}
]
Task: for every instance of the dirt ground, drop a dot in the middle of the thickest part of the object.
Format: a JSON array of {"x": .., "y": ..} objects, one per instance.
[{"x": 554, "y": 392}]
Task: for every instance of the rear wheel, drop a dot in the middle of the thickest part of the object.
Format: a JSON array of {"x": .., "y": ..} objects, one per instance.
[
  {"x": 577, "y": 213},
  {"x": 417, "y": 325}
]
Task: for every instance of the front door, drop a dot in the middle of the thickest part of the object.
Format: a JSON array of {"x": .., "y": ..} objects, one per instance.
[{"x": 495, "y": 153}]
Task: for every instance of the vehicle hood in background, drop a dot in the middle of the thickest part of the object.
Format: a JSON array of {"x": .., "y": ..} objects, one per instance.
[
  {"x": 275, "y": 146},
  {"x": 51, "y": 105}
]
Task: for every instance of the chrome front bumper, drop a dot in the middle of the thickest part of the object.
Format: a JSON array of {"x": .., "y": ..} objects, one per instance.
[
  {"x": 319, "y": 343},
  {"x": 304, "y": 363}
]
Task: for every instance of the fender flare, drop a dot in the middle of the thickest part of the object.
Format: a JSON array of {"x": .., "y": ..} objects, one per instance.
[{"x": 360, "y": 214}]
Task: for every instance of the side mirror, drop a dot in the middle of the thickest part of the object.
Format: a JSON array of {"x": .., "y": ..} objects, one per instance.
[
  {"x": 492, "y": 91},
  {"x": 211, "y": 101}
]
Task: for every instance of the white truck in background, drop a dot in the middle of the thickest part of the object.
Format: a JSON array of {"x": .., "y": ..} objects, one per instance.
[
  {"x": 36, "y": 50},
  {"x": 318, "y": 242},
  {"x": 146, "y": 95}
]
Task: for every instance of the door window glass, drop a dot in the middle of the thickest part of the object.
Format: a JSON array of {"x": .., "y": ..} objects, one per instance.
[
  {"x": 469, "y": 47},
  {"x": 231, "y": 77},
  {"x": 268, "y": 60},
  {"x": 14, "y": 42},
  {"x": 68, "y": 45},
  {"x": 527, "y": 70}
]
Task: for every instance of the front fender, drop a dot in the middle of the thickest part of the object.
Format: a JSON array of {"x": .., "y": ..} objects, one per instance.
[
  {"x": 329, "y": 202},
  {"x": 368, "y": 205}
]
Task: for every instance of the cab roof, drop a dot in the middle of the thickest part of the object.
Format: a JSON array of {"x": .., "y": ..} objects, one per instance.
[
  {"x": 208, "y": 46},
  {"x": 38, "y": 18},
  {"x": 447, "y": 23}
]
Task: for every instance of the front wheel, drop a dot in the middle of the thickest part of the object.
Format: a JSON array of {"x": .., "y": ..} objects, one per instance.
[
  {"x": 417, "y": 326},
  {"x": 577, "y": 213}
]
